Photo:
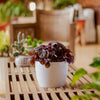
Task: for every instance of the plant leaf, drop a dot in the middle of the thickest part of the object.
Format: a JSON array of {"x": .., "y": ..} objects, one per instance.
[
  {"x": 81, "y": 97},
  {"x": 96, "y": 62},
  {"x": 96, "y": 77},
  {"x": 79, "y": 73},
  {"x": 40, "y": 41},
  {"x": 91, "y": 85}
]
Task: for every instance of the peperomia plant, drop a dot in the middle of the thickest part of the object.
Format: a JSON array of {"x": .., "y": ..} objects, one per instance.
[{"x": 94, "y": 85}]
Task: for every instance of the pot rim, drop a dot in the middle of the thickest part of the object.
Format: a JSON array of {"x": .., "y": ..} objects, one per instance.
[{"x": 54, "y": 62}]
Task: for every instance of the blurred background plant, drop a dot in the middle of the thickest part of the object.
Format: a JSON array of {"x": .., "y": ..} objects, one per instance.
[
  {"x": 19, "y": 47},
  {"x": 11, "y": 9},
  {"x": 61, "y": 4},
  {"x": 95, "y": 81},
  {"x": 31, "y": 44},
  {"x": 4, "y": 43}
]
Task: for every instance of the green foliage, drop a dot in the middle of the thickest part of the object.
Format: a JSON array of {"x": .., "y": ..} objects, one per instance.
[
  {"x": 18, "y": 46},
  {"x": 96, "y": 77},
  {"x": 34, "y": 42},
  {"x": 61, "y": 4},
  {"x": 9, "y": 10},
  {"x": 94, "y": 85},
  {"x": 77, "y": 75},
  {"x": 96, "y": 62},
  {"x": 4, "y": 42},
  {"x": 85, "y": 96}
]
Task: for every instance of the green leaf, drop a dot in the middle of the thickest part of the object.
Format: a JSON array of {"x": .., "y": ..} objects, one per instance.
[
  {"x": 35, "y": 40},
  {"x": 29, "y": 43},
  {"x": 91, "y": 86},
  {"x": 25, "y": 52},
  {"x": 34, "y": 45},
  {"x": 29, "y": 37},
  {"x": 95, "y": 95},
  {"x": 96, "y": 77},
  {"x": 40, "y": 41},
  {"x": 81, "y": 97},
  {"x": 77, "y": 75},
  {"x": 96, "y": 63},
  {"x": 85, "y": 96}
]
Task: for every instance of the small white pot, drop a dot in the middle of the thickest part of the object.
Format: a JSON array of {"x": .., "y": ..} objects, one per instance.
[
  {"x": 54, "y": 76},
  {"x": 22, "y": 60}
]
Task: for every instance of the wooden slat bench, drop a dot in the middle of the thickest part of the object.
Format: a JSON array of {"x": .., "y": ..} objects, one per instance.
[{"x": 21, "y": 84}]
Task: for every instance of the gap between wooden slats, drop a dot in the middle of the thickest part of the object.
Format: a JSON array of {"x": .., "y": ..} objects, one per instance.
[
  {"x": 89, "y": 92},
  {"x": 22, "y": 83},
  {"x": 62, "y": 94},
  {"x": 53, "y": 95},
  {"x": 45, "y": 97}
]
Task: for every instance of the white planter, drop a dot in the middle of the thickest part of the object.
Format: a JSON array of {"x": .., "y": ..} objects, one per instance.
[
  {"x": 22, "y": 60},
  {"x": 54, "y": 76}
]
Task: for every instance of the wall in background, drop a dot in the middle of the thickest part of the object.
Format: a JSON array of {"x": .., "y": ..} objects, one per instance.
[{"x": 89, "y": 3}]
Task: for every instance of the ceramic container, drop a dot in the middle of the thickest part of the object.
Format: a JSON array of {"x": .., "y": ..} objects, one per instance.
[
  {"x": 54, "y": 76},
  {"x": 22, "y": 60}
]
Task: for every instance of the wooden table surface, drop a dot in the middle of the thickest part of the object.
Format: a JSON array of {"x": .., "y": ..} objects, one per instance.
[{"x": 21, "y": 84}]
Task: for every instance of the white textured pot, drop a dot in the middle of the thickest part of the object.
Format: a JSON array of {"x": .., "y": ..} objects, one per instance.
[
  {"x": 54, "y": 76},
  {"x": 22, "y": 60}
]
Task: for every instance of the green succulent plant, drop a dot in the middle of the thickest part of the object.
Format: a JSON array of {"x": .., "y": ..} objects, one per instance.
[{"x": 18, "y": 46}]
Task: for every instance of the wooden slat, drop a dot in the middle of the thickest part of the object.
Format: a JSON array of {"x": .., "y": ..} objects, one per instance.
[
  {"x": 53, "y": 95},
  {"x": 7, "y": 85},
  {"x": 14, "y": 83},
  {"x": 63, "y": 96},
  {"x": 22, "y": 83}
]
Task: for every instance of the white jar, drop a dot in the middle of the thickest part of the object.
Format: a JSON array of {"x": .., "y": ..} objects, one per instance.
[
  {"x": 22, "y": 60},
  {"x": 54, "y": 76}
]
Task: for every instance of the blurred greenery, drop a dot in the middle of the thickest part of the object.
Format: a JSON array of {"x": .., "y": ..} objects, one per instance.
[
  {"x": 11, "y": 9},
  {"x": 61, "y": 4},
  {"x": 95, "y": 81},
  {"x": 96, "y": 62},
  {"x": 4, "y": 42}
]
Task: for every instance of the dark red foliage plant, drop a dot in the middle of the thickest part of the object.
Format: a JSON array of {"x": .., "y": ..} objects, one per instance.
[{"x": 53, "y": 52}]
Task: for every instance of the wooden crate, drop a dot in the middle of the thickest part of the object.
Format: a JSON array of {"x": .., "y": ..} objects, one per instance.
[{"x": 22, "y": 85}]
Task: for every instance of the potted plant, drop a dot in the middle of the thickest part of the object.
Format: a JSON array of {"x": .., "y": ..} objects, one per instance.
[
  {"x": 20, "y": 52},
  {"x": 51, "y": 64},
  {"x": 31, "y": 44},
  {"x": 61, "y": 4},
  {"x": 8, "y": 12},
  {"x": 21, "y": 59}
]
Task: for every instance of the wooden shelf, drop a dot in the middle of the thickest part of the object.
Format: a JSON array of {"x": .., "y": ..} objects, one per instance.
[{"x": 21, "y": 84}]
